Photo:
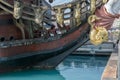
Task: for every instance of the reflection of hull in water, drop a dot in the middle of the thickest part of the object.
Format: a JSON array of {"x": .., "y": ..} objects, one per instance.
[
  {"x": 85, "y": 61},
  {"x": 83, "y": 67}
]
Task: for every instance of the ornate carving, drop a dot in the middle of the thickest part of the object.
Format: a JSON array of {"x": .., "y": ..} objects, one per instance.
[
  {"x": 59, "y": 17},
  {"x": 92, "y": 19},
  {"x": 17, "y": 9},
  {"x": 98, "y": 34},
  {"x": 77, "y": 14},
  {"x": 38, "y": 16},
  {"x": 104, "y": 1},
  {"x": 92, "y": 6}
]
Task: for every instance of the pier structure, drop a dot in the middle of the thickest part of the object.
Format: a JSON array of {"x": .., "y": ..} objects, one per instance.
[
  {"x": 112, "y": 69},
  {"x": 103, "y": 49},
  {"x": 119, "y": 61}
]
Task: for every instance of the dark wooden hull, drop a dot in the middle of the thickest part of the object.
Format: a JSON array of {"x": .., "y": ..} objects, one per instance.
[
  {"x": 26, "y": 56},
  {"x": 43, "y": 54},
  {"x": 44, "y": 47},
  {"x": 40, "y": 60}
]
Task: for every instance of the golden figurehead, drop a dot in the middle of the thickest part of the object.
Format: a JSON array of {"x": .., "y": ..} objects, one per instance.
[
  {"x": 99, "y": 34},
  {"x": 102, "y": 19}
]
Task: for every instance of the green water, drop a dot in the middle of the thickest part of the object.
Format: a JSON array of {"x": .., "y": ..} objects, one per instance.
[
  {"x": 72, "y": 68},
  {"x": 33, "y": 75}
]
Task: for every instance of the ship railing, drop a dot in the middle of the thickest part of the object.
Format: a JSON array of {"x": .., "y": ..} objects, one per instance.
[
  {"x": 29, "y": 14},
  {"x": 63, "y": 16}
]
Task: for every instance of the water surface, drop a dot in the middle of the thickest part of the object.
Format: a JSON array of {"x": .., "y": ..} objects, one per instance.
[{"x": 72, "y": 68}]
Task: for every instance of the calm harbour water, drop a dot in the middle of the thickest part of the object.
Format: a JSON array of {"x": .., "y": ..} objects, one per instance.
[{"x": 72, "y": 68}]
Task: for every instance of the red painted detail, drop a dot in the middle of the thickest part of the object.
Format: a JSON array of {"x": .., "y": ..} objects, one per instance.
[
  {"x": 106, "y": 19},
  {"x": 10, "y": 30}
]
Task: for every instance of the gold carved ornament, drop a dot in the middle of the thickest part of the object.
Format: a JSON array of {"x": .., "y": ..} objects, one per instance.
[
  {"x": 92, "y": 6},
  {"x": 59, "y": 16},
  {"x": 104, "y": 1},
  {"x": 99, "y": 34},
  {"x": 77, "y": 14},
  {"x": 17, "y": 9}
]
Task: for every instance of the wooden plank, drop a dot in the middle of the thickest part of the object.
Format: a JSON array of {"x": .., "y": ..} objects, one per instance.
[{"x": 110, "y": 71}]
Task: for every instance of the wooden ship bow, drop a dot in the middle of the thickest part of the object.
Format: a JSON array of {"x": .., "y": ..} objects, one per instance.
[{"x": 32, "y": 32}]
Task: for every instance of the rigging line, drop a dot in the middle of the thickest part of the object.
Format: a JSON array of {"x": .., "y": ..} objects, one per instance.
[
  {"x": 1, "y": 6},
  {"x": 11, "y": 12},
  {"x": 5, "y": 3},
  {"x": 28, "y": 18}
]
